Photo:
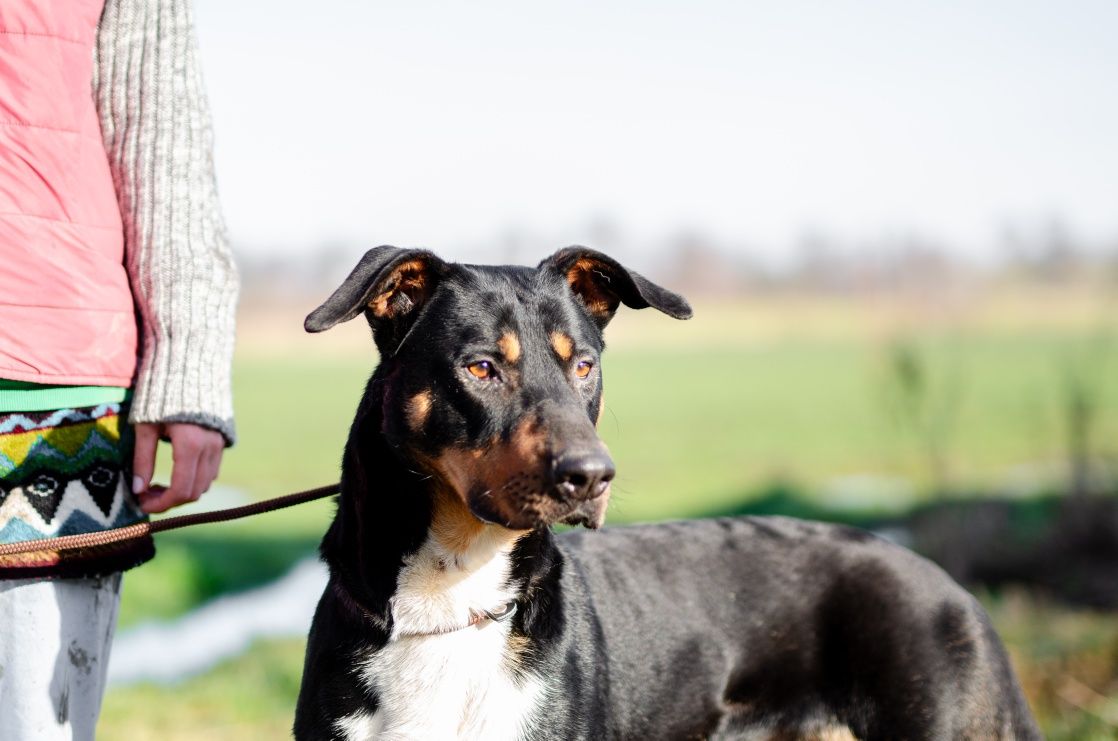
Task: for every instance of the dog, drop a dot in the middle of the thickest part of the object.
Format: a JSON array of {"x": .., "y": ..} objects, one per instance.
[{"x": 453, "y": 611}]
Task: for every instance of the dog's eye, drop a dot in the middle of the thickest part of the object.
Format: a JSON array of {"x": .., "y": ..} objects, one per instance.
[
  {"x": 582, "y": 370},
  {"x": 482, "y": 369}
]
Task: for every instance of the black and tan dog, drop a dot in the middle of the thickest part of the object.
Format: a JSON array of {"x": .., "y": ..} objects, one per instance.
[{"x": 453, "y": 611}]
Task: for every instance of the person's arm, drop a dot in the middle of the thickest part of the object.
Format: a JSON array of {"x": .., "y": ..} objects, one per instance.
[{"x": 156, "y": 126}]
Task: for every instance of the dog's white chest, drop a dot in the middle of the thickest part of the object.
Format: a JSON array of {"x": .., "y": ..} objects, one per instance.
[{"x": 447, "y": 685}]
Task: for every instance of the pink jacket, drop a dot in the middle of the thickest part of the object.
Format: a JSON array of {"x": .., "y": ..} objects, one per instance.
[{"x": 66, "y": 309}]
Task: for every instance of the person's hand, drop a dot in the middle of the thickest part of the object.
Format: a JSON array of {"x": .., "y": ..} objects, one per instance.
[{"x": 195, "y": 457}]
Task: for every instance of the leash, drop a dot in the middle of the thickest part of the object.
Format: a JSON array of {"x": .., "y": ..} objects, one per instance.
[{"x": 145, "y": 529}]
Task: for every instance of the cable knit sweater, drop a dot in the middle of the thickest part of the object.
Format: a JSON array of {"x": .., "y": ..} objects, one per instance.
[{"x": 156, "y": 126}]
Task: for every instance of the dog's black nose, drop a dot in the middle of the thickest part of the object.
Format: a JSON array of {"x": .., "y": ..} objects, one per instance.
[{"x": 583, "y": 475}]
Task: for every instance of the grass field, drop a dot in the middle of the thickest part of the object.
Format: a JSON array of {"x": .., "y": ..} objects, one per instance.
[{"x": 701, "y": 416}]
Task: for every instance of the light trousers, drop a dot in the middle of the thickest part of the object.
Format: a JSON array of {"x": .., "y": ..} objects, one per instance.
[{"x": 55, "y": 638}]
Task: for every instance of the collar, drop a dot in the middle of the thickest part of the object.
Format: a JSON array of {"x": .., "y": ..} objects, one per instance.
[{"x": 477, "y": 619}]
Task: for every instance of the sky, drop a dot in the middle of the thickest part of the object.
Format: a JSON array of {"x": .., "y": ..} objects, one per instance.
[{"x": 460, "y": 126}]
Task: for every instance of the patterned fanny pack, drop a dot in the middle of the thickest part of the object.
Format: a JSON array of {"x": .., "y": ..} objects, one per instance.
[{"x": 65, "y": 472}]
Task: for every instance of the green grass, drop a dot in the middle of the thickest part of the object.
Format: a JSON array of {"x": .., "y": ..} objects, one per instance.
[
  {"x": 250, "y": 697},
  {"x": 197, "y": 565},
  {"x": 292, "y": 420},
  {"x": 701, "y": 426},
  {"x": 1066, "y": 660}
]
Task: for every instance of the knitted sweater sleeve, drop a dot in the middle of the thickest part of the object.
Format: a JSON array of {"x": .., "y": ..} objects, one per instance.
[{"x": 156, "y": 126}]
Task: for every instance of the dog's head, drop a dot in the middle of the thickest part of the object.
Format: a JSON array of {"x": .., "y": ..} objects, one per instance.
[{"x": 491, "y": 376}]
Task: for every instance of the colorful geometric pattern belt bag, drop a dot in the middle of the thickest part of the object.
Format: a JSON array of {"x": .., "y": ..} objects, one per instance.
[{"x": 65, "y": 472}]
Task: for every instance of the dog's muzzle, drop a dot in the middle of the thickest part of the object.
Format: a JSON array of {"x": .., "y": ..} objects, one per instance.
[
  {"x": 582, "y": 475},
  {"x": 581, "y": 480}
]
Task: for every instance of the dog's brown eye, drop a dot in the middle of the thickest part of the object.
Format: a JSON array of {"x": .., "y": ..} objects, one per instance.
[
  {"x": 582, "y": 370},
  {"x": 482, "y": 369}
]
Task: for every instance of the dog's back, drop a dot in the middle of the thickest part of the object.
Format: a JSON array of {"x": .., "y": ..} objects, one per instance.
[{"x": 765, "y": 624}]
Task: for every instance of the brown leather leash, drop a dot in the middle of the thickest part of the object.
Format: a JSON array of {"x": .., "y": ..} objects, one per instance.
[{"x": 145, "y": 529}]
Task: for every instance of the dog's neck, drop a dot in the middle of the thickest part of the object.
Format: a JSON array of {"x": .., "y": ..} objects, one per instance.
[
  {"x": 462, "y": 569},
  {"x": 397, "y": 528}
]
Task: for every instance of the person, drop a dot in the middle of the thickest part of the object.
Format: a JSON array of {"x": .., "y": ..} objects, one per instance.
[{"x": 117, "y": 296}]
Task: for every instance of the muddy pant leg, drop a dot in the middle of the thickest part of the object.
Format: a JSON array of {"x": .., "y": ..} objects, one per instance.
[{"x": 54, "y": 654}]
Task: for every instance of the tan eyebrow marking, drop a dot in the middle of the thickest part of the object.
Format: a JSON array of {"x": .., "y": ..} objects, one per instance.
[
  {"x": 418, "y": 408},
  {"x": 509, "y": 345},
  {"x": 562, "y": 344}
]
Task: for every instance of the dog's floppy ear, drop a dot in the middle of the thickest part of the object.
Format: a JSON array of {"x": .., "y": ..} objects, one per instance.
[
  {"x": 602, "y": 284},
  {"x": 389, "y": 285}
]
